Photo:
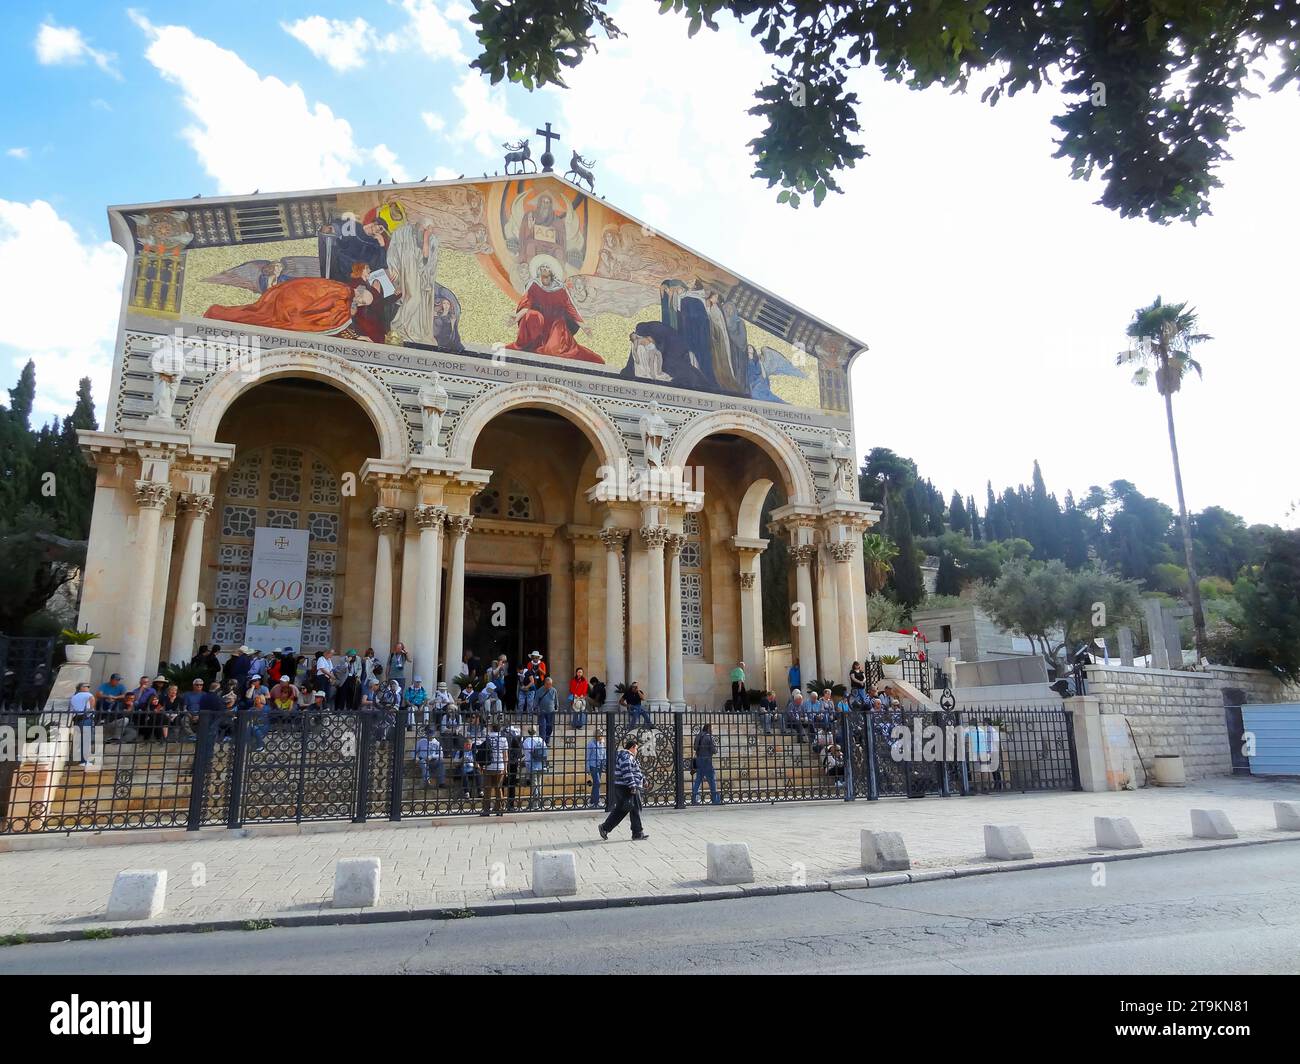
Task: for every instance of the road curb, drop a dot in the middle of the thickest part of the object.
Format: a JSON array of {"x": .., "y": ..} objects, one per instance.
[{"x": 325, "y": 916}]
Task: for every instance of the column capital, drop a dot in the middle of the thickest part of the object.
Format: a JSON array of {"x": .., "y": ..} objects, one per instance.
[
  {"x": 803, "y": 555},
  {"x": 196, "y": 503},
  {"x": 655, "y": 535},
  {"x": 152, "y": 495},
  {"x": 747, "y": 581},
  {"x": 387, "y": 518},
  {"x": 674, "y": 544},
  {"x": 458, "y": 525},
  {"x": 430, "y": 516},
  {"x": 842, "y": 552},
  {"x": 614, "y": 538}
]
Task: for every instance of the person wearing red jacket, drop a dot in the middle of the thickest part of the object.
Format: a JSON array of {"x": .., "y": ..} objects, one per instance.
[{"x": 578, "y": 700}]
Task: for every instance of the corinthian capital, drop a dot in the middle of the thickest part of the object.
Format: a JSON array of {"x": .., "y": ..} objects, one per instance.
[
  {"x": 459, "y": 524},
  {"x": 196, "y": 503},
  {"x": 803, "y": 555},
  {"x": 842, "y": 552},
  {"x": 430, "y": 516},
  {"x": 654, "y": 535},
  {"x": 387, "y": 518},
  {"x": 152, "y": 495},
  {"x": 747, "y": 581},
  {"x": 613, "y": 538}
]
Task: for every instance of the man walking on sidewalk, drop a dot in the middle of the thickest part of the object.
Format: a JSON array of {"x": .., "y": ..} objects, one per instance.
[
  {"x": 496, "y": 752},
  {"x": 629, "y": 781}
]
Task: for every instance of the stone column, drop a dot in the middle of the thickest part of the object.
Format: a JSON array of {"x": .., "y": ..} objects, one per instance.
[
  {"x": 581, "y": 570},
  {"x": 458, "y": 526},
  {"x": 747, "y": 620},
  {"x": 387, "y": 520},
  {"x": 654, "y": 537},
  {"x": 802, "y": 617},
  {"x": 196, "y": 507},
  {"x": 161, "y": 582},
  {"x": 615, "y": 651},
  {"x": 844, "y": 553},
  {"x": 828, "y": 634},
  {"x": 151, "y": 498},
  {"x": 409, "y": 593},
  {"x": 676, "y": 677},
  {"x": 424, "y": 648}
]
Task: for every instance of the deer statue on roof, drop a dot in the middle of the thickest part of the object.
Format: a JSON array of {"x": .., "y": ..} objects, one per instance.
[
  {"x": 580, "y": 170},
  {"x": 520, "y": 156}
]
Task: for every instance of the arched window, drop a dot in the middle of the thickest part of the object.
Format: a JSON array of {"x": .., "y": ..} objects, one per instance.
[
  {"x": 692, "y": 566},
  {"x": 278, "y": 487}
]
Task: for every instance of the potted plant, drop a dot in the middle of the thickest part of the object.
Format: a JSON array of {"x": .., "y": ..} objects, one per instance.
[
  {"x": 890, "y": 668},
  {"x": 78, "y": 645}
]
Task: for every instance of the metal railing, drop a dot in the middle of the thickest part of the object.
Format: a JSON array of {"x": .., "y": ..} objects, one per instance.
[{"x": 239, "y": 768}]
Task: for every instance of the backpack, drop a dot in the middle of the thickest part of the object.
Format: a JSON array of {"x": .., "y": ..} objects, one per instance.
[{"x": 483, "y": 752}]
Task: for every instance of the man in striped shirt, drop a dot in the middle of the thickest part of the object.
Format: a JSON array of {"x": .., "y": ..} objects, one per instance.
[{"x": 629, "y": 781}]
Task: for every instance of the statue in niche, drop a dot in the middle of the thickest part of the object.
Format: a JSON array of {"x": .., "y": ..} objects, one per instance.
[
  {"x": 433, "y": 404},
  {"x": 653, "y": 430},
  {"x": 168, "y": 364}
]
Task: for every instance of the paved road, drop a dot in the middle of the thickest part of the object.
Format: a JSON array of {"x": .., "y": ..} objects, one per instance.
[{"x": 1224, "y": 911}]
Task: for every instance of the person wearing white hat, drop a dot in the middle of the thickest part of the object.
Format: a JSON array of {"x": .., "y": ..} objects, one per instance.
[{"x": 442, "y": 702}]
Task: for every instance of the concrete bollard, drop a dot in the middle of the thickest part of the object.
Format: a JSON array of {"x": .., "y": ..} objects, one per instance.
[
  {"x": 1116, "y": 833},
  {"x": 884, "y": 851},
  {"x": 728, "y": 862},
  {"x": 1287, "y": 815},
  {"x": 1006, "y": 842},
  {"x": 1212, "y": 824},
  {"x": 555, "y": 873},
  {"x": 356, "y": 883},
  {"x": 138, "y": 894}
]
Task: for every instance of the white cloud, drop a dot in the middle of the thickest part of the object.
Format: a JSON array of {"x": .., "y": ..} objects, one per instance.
[
  {"x": 444, "y": 173},
  {"x": 346, "y": 45},
  {"x": 253, "y": 132},
  {"x": 65, "y": 46},
  {"x": 487, "y": 121},
  {"x": 343, "y": 45},
  {"x": 432, "y": 31},
  {"x": 386, "y": 160},
  {"x": 68, "y": 327},
  {"x": 19, "y": 153},
  {"x": 434, "y": 123}
]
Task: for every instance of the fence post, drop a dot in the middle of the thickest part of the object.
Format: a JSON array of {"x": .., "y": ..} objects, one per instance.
[
  {"x": 364, "y": 742},
  {"x": 612, "y": 745},
  {"x": 199, "y": 770},
  {"x": 1074, "y": 750},
  {"x": 848, "y": 756},
  {"x": 940, "y": 720},
  {"x": 397, "y": 766},
  {"x": 965, "y": 757},
  {"x": 679, "y": 781},
  {"x": 873, "y": 785},
  {"x": 234, "y": 818}
]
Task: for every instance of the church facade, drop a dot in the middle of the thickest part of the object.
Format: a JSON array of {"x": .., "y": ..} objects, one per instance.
[{"x": 492, "y": 416}]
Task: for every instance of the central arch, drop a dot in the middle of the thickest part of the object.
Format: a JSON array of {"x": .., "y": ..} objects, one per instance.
[
  {"x": 799, "y": 486},
  {"x": 215, "y": 397},
  {"x": 594, "y": 423}
]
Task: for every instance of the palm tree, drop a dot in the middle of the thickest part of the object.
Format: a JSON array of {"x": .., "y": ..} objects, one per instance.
[
  {"x": 1163, "y": 336},
  {"x": 878, "y": 554}
]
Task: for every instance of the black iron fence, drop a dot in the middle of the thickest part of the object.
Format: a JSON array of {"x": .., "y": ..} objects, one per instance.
[
  {"x": 916, "y": 669},
  {"x": 234, "y": 769}
]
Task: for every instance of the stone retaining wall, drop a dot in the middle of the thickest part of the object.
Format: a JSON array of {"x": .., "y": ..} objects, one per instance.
[{"x": 1177, "y": 712}]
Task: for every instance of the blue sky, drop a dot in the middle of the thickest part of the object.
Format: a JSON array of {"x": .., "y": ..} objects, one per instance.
[{"x": 991, "y": 289}]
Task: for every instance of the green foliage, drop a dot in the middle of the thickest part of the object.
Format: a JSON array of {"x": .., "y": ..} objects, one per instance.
[
  {"x": 1170, "y": 578},
  {"x": 949, "y": 580},
  {"x": 184, "y": 674},
  {"x": 1149, "y": 90},
  {"x": 878, "y": 554},
  {"x": 78, "y": 637},
  {"x": 889, "y": 659},
  {"x": 1266, "y": 632},
  {"x": 886, "y": 615},
  {"x": 1044, "y": 601}
]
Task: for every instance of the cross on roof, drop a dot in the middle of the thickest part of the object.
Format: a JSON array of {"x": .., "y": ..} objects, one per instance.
[{"x": 548, "y": 160}]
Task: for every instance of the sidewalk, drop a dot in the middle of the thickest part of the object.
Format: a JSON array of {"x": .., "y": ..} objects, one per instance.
[{"x": 453, "y": 865}]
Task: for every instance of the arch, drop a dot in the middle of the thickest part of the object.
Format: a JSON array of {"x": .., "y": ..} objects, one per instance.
[
  {"x": 380, "y": 405},
  {"x": 751, "y": 509},
  {"x": 595, "y": 425},
  {"x": 779, "y": 447}
]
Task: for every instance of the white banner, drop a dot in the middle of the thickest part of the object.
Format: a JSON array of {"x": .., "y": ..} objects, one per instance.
[{"x": 276, "y": 587}]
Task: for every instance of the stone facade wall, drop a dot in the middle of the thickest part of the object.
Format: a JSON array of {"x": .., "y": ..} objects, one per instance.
[{"x": 1173, "y": 712}]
